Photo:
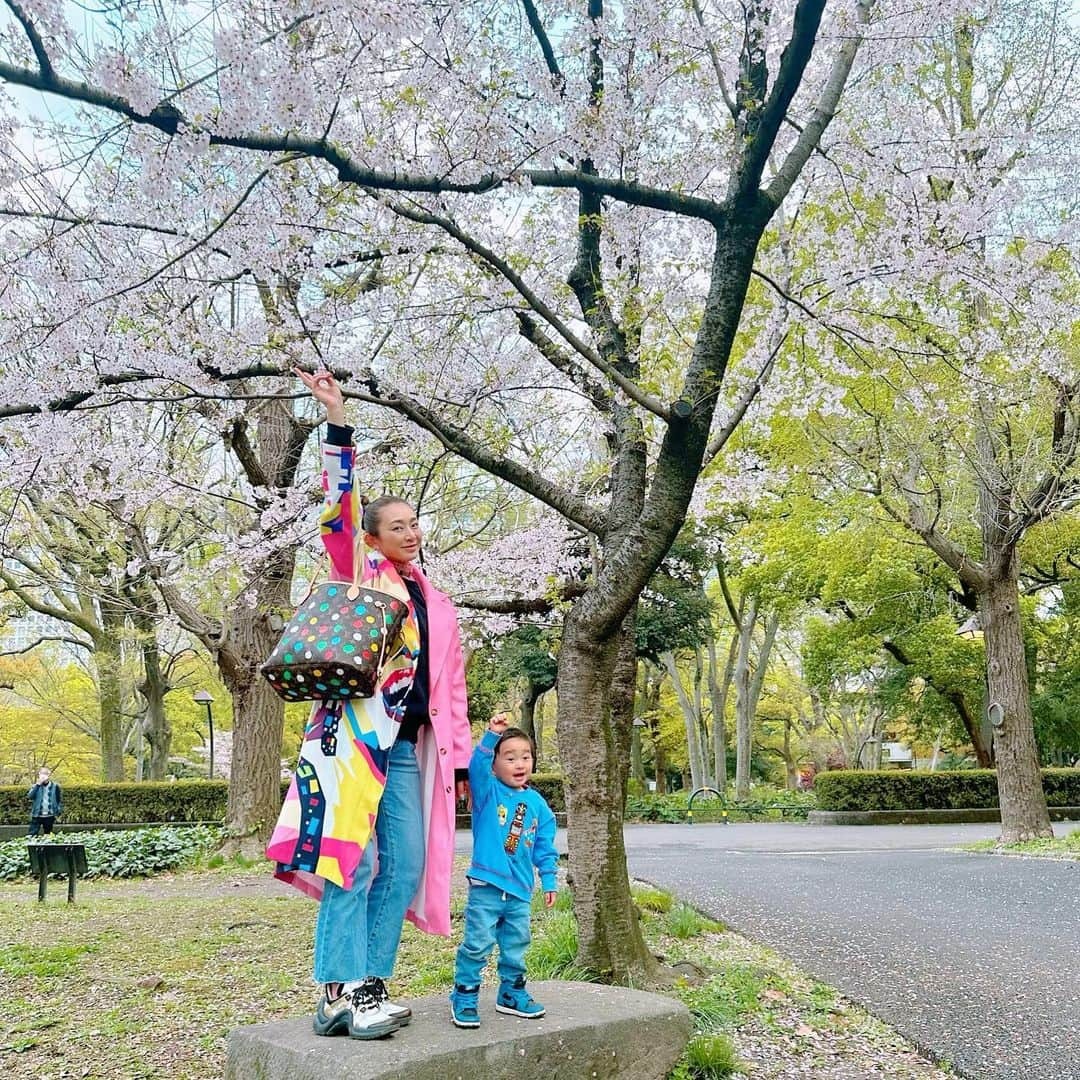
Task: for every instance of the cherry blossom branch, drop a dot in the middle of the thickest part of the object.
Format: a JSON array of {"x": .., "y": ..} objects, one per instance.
[
  {"x": 544, "y": 42},
  {"x": 824, "y": 111},
  {"x": 480, "y": 454},
  {"x": 168, "y": 119},
  {"x": 598, "y": 394},
  {"x": 544, "y": 310},
  {"x": 715, "y": 57},
  {"x": 762, "y": 121}
]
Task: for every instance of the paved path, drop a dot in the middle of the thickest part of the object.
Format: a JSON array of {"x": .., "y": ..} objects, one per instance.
[{"x": 976, "y": 958}]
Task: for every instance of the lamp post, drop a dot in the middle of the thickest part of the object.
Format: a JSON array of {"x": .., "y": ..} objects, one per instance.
[{"x": 203, "y": 698}]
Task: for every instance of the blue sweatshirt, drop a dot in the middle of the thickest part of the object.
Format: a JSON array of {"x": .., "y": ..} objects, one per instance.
[{"x": 513, "y": 829}]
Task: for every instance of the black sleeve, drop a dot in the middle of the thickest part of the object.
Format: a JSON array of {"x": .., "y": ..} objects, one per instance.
[{"x": 339, "y": 434}]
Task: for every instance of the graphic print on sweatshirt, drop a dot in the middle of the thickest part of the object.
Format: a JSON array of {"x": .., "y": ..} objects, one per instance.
[{"x": 516, "y": 827}]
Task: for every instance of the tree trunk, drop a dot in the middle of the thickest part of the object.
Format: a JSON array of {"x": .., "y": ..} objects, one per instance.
[
  {"x": 527, "y": 710},
  {"x": 107, "y": 660},
  {"x": 743, "y": 713},
  {"x": 690, "y": 721},
  {"x": 791, "y": 769},
  {"x": 156, "y": 729},
  {"x": 595, "y": 690},
  {"x": 258, "y": 722},
  {"x": 1020, "y": 790},
  {"x": 538, "y": 729},
  {"x": 718, "y": 696},
  {"x": 652, "y": 720},
  {"x": 637, "y": 766}
]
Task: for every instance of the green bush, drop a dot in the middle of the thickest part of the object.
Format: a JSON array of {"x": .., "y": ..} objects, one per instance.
[
  {"x": 672, "y": 808},
  {"x": 550, "y": 785},
  {"x": 121, "y": 854},
  {"x": 181, "y": 800},
  {"x": 916, "y": 790}
]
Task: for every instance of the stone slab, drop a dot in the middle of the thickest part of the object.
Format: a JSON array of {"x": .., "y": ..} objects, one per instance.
[{"x": 590, "y": 1031}]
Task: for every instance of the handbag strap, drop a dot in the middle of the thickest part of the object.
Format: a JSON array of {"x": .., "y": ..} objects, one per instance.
[{"x": 360, "y": 547}]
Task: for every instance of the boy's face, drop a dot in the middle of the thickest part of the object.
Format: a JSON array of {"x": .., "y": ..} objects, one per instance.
[{"x": 514, "y": 762}]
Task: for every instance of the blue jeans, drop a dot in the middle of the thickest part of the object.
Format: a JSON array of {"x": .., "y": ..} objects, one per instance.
[
  {"x": 359, "y": 929},
  {"x": 493, "y": 917}
]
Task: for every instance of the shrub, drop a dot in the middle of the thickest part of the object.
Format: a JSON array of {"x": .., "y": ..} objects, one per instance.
[
  {"x": 550, "y": 785},
  {"x": 181, "y": 800},
  {"x": 650, "y": 899},
  {"x": 121, "y": 854},
  {"x": 917, "y": 790}
]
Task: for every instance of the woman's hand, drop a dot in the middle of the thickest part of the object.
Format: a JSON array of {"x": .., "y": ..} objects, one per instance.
[{"x": 326, "y": 391}]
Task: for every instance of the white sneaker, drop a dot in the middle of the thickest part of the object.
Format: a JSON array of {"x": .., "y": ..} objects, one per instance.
[
  {"x": 368, "y": 1020},
  {"x": 377, "y": 988}
]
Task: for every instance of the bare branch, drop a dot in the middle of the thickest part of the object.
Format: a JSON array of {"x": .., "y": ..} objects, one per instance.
[
  {"x": 41, "y": 640},
  {"x": 544, "y": 42}
]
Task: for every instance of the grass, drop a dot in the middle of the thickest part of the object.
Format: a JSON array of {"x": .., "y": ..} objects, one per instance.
[
  {"x": 683, "y": 922},
  {"x": 1060, "y": 847},
  {"x": 209, "y": 950}
]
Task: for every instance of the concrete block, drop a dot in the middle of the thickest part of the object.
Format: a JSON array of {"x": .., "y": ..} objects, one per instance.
[{"x": 591, "y": 1032}]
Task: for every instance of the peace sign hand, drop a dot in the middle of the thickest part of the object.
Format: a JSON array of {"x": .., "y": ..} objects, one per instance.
[{"x": 326, "y": 391}]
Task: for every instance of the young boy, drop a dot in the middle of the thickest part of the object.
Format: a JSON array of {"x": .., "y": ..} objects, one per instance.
[{"x": 513, "y": 833}]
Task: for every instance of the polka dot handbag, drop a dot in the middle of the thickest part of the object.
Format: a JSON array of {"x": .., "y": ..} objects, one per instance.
[{"x": 335, "y": 645}]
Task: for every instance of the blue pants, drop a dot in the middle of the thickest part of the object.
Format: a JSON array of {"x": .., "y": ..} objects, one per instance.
[
  {"x": 359, "y": 929},
  {"x": 493, "y": 917}
]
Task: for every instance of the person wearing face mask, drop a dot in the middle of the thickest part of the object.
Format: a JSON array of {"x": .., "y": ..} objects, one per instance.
[
  {"x": 368, "y": 823},
  {"x": 513, "y": 838}
]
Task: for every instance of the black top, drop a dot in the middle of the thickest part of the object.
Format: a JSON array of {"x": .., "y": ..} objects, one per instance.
[{"x": 417, "y": 700}]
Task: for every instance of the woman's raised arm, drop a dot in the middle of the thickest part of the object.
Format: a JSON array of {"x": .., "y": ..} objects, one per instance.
[{"x": 339, "y": 520}]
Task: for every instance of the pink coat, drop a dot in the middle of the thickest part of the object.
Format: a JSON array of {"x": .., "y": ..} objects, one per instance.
[{"x": 443, "y": 746}]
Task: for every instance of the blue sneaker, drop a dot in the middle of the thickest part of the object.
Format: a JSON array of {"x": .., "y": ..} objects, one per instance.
[
  {"x": 465, "y": 1006},
  {"x": 515, "y": 1000}
]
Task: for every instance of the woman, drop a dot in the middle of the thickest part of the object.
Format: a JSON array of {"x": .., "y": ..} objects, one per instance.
[{"x": 368, "y": 823}]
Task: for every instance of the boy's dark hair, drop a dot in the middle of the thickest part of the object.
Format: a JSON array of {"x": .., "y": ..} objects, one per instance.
[{"x": 517, "y": 733}]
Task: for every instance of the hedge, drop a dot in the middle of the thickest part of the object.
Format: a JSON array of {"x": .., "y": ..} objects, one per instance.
[
  {"x": 916, "y": 790},
  {"x": 181, "y": 800}
]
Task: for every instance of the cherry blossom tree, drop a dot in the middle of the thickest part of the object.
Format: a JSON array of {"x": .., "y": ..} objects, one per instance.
[
  {"x": 579, "y": 192},
  {"x": 949, "y": 340}
]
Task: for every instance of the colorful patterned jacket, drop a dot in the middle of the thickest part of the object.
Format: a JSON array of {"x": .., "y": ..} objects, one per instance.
[{"x": 329, "y": 811}]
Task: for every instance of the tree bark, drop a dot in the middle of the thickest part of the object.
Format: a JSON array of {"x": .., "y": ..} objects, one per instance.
[
  {"x": 595, "y": 688},
  {"x": 743, "y": 713},
  {"x": 156, "y": 728},
  {"x": 107, "y": 660},
  {"x": 690, "y": 721},
  {"x": 718, "y": 697},
  {"x": 1020, "y": 791}
]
